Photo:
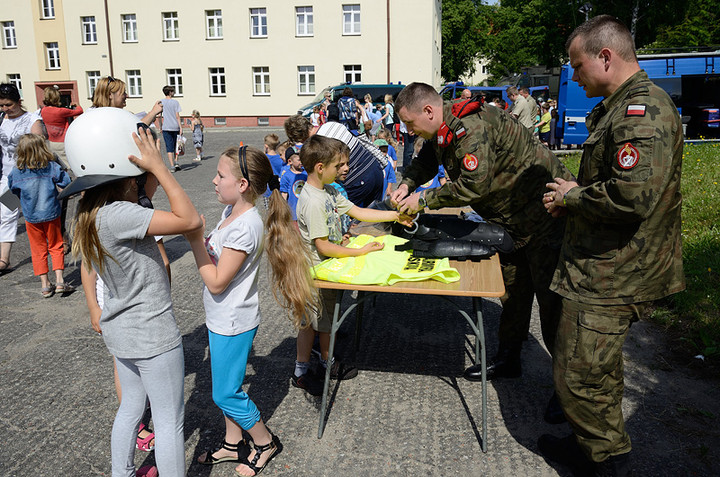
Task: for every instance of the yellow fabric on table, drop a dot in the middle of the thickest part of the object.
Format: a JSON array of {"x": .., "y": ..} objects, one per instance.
[{"x": 384, "y": 267}]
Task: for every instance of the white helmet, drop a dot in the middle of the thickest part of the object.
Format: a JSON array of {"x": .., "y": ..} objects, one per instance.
[{"x": 97, "y": 145}]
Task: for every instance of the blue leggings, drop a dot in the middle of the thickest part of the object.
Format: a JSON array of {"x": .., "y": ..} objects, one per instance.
[{"x": 228, "y": 360}]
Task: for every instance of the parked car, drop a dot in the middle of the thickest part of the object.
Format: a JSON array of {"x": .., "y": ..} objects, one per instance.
[{"x": 377, "y": 91}]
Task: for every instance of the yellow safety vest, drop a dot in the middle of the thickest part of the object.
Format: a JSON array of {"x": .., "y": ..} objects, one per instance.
[{"x": 384, "y": 267}]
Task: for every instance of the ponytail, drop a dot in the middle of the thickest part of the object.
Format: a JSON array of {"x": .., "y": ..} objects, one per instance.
[
  {"x": 288, "y": 255},
  {"x": 289, "y": 259}
]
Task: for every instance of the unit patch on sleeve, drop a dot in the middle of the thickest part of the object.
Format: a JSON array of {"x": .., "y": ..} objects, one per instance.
[
  {"x": 635, "y": 110},
  {"x": 470, "y": 162},
  {"x": 628, "y": 156}
]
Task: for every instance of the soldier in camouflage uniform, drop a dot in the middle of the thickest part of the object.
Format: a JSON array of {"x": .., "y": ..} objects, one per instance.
[
  {"x": 499, "y": 169},
  {"x": 622, "y": 241}
]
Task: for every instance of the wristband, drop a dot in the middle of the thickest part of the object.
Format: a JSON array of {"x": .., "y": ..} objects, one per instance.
[{"x": 565, "y": 199}]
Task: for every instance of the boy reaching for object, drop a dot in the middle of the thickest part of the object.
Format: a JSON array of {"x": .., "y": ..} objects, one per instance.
[{"x": 319, "y": 209}]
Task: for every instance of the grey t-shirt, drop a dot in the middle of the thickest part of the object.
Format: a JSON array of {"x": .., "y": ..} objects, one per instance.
[
  {"x": 318, "y": 215},
  {"x": 170, "y": 110},
  {"x": 137, "y": 319}
]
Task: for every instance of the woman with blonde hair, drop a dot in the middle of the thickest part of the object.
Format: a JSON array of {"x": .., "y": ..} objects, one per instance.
[
  {"x": 111, "y": 92},
  {"x": 387, "y": 118}
]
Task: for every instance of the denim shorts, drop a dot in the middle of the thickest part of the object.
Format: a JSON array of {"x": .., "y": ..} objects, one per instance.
[{"x": 170, "y": 138}]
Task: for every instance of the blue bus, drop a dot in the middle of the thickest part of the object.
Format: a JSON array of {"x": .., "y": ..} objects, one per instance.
[{"x": 691, "y": 79}]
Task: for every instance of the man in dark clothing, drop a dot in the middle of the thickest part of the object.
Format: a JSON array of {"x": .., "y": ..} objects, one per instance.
[{"x": 495, "y": 166}]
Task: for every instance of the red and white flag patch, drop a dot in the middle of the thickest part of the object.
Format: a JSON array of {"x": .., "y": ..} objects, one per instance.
[
  {"x": 628, "y": 156},
  {"x": 470, "y": 162},
  {"x": 635, "y": 110}
]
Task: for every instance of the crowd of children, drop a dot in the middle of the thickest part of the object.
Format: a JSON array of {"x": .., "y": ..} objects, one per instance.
[{"x": 114, "y": 233}]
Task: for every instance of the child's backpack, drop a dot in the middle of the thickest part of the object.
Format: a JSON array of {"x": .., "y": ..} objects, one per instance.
[{"x": 395, "y": 117}]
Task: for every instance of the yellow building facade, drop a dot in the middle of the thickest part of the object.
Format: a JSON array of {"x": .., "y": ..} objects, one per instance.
[{"x": 239, "y": 63}]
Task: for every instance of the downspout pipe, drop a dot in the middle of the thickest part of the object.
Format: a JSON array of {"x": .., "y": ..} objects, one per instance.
[
  {"x": 387, "y": 8},
  {"x": 107, "y": 29}
]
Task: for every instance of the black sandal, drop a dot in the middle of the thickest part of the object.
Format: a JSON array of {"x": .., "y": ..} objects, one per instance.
[
  {"x": 237, "y": 448},
  {"x": 274, "y": 447}
]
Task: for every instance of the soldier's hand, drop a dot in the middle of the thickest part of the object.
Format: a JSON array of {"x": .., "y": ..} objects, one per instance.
[
  {"x": 409, "y": 205},
  {"x": 561, "y": 186},
  {"x": 398, "y": 194},
  {"x": 554, "y": 198}
]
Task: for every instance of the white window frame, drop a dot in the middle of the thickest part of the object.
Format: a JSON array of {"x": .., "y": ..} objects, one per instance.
[
  {"x": 174, "y": 79},
  {"x": 93, "y": 77},
  {"x": 47, "y": 8},
  {"x": 351, "y": 19},
  {"x": 52, "y": 55},
  {"x": 352, "y": 73},
  {"x": 258, "y": 23},
  {"x": 129, "y": 27},
  {"x": 217, "y": 81},
  {"x": 306, "y": 80},
  {"x": 9, "y": 37},
  {"x": 133, "y": 79},
  {"x": 304, "y": 21},
  {"x": 89, "y": 29},
  {"x": 16, "y": 80},
  {"x": 261, "y": 80},
  {"x": 171, "y": 26},
  {"x": 213, "y": 25}
]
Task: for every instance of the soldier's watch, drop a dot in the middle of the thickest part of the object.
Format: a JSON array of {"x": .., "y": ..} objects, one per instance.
[{"x": 421, "y": 200}]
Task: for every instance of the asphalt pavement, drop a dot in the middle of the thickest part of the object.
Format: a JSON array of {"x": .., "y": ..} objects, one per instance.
[{"x": 408, "y": 412}]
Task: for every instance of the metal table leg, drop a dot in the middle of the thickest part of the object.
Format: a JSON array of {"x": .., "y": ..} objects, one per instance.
[
  {"x": 480, "y": 343},
  {"x": 476, "y": 325},
  {"x": 336, "y": 323}
]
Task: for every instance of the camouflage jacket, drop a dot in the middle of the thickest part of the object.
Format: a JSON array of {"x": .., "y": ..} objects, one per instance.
[
  {"x": 622, "y": 239},
  {"x": 497, "y": 167}
]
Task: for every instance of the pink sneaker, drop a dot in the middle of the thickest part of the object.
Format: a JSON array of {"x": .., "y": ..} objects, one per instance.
[{"x": 147, "y": 471}]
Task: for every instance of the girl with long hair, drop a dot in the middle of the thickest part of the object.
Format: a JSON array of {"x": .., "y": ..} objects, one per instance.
[
  {"x": 228, "y": 261},
  {"x": 118, "y": 168}
]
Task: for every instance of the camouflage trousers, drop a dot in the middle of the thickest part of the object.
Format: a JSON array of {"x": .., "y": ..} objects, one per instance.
[
  {"x": 588, "y": 374},
  {"x": 527, "y": 273}
]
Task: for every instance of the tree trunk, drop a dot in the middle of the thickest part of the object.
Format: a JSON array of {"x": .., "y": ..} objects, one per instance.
[{"x": 634, "y": 20}]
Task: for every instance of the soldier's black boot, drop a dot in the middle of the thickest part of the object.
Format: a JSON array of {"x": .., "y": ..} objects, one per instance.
[
  {"x": 505, "y": 364},
  {"x": 566, "y": 451},
  {"x": 614, "y": 466}
]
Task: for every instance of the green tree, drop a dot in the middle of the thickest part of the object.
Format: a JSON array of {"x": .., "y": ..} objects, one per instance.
[
  {"x": 699, "y": 26},
  {"x": 461, "y": 41},
  {"x": 521, "y": 33}
]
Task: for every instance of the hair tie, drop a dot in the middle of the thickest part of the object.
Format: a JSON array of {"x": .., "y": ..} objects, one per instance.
[{"x": 274, "y": 183}]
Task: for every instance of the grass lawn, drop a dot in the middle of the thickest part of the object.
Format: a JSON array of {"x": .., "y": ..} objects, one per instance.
[{"x": 694, "y": 314}]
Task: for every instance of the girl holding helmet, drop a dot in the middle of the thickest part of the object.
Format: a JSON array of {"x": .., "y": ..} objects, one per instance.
[{"x": 116, "y": 164}]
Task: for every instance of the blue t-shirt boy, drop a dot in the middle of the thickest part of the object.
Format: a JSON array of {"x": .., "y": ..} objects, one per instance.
[{"x": 292, "y": 179}]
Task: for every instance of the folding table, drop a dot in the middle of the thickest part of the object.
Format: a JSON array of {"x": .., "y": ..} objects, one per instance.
[{"x": 477, "y": 280}]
